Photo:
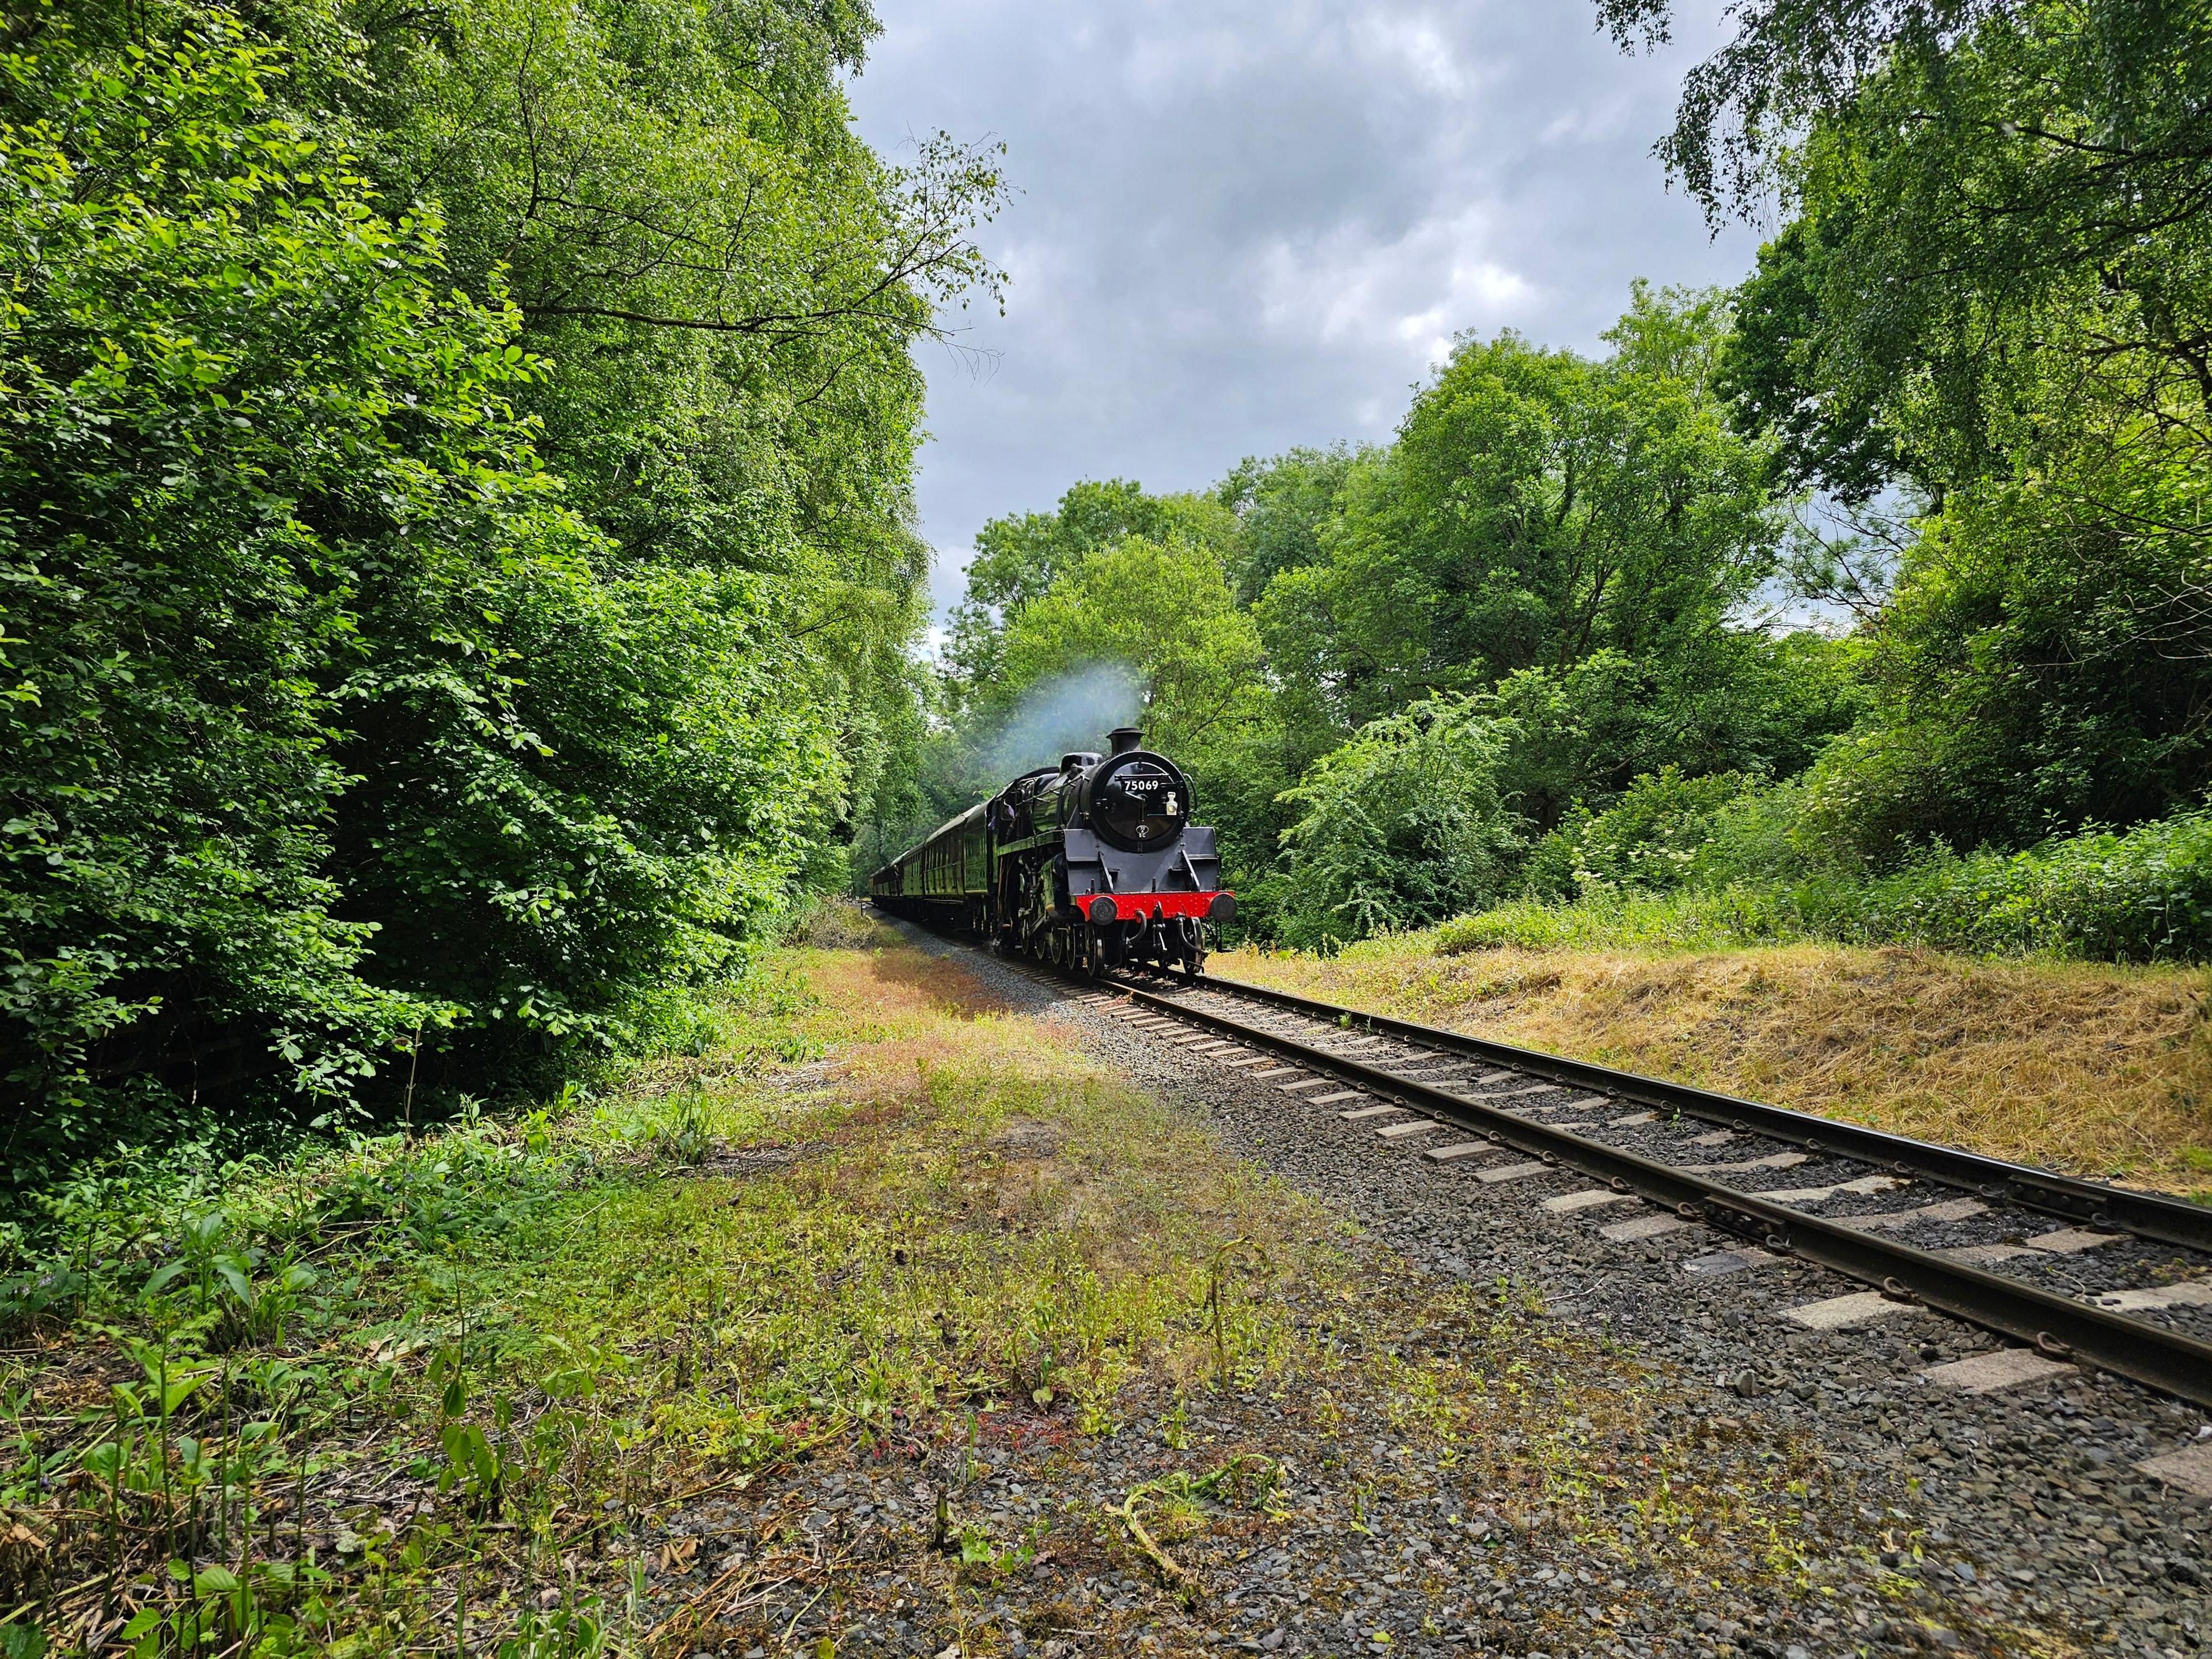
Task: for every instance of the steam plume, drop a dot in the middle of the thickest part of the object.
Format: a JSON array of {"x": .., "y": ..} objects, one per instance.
[{"x": 1074, "y": 710}]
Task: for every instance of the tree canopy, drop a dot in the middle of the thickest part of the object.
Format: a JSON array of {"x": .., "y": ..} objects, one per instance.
[
  {"x": 1556, "y": 561},
  {"x": 456, "y": 554},
  {"x": 1989, "y": 297}
]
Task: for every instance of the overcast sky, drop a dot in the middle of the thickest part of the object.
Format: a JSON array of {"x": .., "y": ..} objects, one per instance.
[{"x": 1248, "y": 224}]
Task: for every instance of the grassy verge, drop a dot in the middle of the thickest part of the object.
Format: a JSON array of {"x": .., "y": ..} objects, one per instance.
[
  {"x": 2084, "y": 1067},
  {"x": 456, "y": 1392}
]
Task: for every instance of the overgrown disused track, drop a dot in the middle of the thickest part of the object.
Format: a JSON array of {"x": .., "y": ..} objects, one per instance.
[{"x": 1643, "y": 1139}]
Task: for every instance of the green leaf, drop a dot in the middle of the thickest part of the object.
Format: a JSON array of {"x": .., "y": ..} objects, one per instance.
[{"x": 234, "y": 1276}]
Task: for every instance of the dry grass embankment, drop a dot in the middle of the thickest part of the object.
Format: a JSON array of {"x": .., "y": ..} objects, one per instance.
[{"x": 2081, "y": 1067}]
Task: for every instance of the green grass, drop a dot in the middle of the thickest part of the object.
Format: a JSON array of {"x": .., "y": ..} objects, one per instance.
[
  {"x": 1632, "y": 921},
  {"x": 2143, "y": 896},
  {"x": 556, "y": 1323}
]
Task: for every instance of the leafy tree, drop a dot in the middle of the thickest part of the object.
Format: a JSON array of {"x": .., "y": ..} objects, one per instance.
[
  {"x": 1164, "y": 610},
  {"x": 336, "y": 721},
  {"x": 1746, "y": 701},
  {"x": 2038, "y": 670},
  {"x": 1574, "y": 541},
  {"x": 234, "y": 405},
  {"x": 728, "y": 278},
  {"x": 1536, "y": 508},
  {"x": 1828, "y": 430},
  {"x": 1284, "y": 507},
  {"x": 2115, "y": 130},
  {"x": 1993, "y": 294},
  {"x": 1018, "y": 558}
]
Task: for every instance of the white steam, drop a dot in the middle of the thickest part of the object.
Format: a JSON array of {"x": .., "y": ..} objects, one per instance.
[{"x": 1070, "y": 711}]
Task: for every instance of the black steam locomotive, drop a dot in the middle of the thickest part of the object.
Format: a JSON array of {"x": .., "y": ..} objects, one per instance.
[{"x": 1093, "y": 864}]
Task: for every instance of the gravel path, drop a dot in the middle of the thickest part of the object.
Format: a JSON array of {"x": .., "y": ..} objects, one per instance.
[{"x": 1920, "y": 1519}]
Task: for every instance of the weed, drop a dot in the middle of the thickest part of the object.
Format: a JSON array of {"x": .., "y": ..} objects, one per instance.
[
  {"x": 684, "y": 1132},
  {"x": 1218, "y": 1268}
]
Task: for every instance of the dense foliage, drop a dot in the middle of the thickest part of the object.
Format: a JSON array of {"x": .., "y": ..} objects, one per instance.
[
  {"x": 1392, "y": 670},
  {"x": 457, "y": 579},
  {"x": 1991, "y": 300},
  {"x": 455, "y": 554},
  {"x": 1528, "y": 655}
]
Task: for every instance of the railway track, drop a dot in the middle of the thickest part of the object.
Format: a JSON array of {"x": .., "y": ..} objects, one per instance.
[{"x": 2076, "y": 1272}]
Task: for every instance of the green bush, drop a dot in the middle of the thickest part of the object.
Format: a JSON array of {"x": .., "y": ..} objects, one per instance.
[
  {"x": 2145, "y": 896},
  {"x": 1403, "y": 825},
  {"x": 1650, "y": 839}
]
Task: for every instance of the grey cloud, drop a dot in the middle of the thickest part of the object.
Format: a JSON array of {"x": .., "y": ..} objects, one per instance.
[{"x": 1246, "y": 226}]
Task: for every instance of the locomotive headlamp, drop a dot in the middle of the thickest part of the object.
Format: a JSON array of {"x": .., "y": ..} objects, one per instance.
[{"x": 1104, "y": 913}]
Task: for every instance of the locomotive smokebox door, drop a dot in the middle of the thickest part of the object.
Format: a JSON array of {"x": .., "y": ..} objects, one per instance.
[{"x": 1138, "y": 803}]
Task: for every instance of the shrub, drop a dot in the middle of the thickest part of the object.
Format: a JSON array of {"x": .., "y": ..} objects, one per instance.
[
  {"x": 1402, "y": 825},
  {"x": 1648, "y": 839},
  {"x": 2143, "y": 896}
]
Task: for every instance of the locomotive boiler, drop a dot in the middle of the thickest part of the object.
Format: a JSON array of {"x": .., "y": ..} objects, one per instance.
[{"x": 1093, "y": 864}]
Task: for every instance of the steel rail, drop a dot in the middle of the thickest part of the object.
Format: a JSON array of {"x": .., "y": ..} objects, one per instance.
[
  {"x": 2168, "y": 1361},
  {"x": 2148, "y": 1215}
]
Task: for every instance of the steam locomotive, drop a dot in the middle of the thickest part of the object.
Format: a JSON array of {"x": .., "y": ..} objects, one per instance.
[{"x": 1093, "y": 864}]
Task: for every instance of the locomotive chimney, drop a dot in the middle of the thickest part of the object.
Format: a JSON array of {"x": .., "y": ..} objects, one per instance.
[{"x": 1123, "y": 738}]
